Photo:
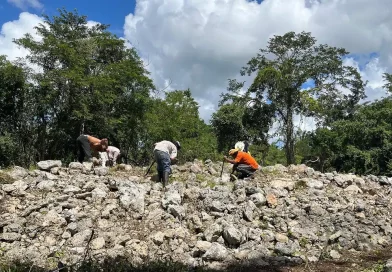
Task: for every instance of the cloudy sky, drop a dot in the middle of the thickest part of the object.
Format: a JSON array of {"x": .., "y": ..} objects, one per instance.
[{"x": 200, "y": 44}]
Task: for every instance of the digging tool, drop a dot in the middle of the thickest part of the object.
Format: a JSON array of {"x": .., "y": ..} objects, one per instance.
[
  {"x": 149, "y": 168},
  {"x": 223, "y": 163}
]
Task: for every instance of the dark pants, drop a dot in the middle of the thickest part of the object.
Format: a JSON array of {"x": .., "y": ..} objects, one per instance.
[
  {"x": 84, "y": 148},
  {"x": 245, "y": 170},
  {"x": 163, "y": 161}
]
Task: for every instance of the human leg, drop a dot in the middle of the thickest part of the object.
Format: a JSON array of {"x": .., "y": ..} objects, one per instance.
[
  {"x": 163, "y": 166},
  {"x": 84, "y": 148},
  {"x": 245, "y": 170}
]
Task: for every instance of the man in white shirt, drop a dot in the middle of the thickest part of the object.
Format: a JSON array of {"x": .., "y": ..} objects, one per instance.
[
  {"x": 165, "y": 152},
  {"x": 111, "y": 155}
]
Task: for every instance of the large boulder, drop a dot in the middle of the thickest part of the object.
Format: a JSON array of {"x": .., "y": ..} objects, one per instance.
[{"x": 47, "y": 165}]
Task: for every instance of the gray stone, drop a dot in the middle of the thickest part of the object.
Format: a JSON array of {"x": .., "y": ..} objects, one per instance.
[
  {"x": 177, "y": 211},
  {"x": 46, "y": 185},
  {"x": 217, "y": 206},
  {"x": 10, "y": 237},
  {"x": 132, "y": 198},
  {"x": 101, "y": 171},
  {"x": 334, "y": 254},
  {"x": 81, "y": 238},
  {"x": 158, "y": 238},
  {"x": 75, "y": 166},
  {"x": 281, "y": 238},
  {"x": 353, "y": 189},
  {"x": 335, "y": 236},
  {"x": 18, "y": 172},
  {"x": 171, "y": 197},
  {"x": 47, "y": 165},
  {"x": 98, "y": 193},
  {"x": 49, "y": 176},
  {"x": 258, "y": 199},
  {"x": 232, "y": 236},
  {"x": 213, "y": 232},
  {"x": 196, "y": 169},
  {"x": 216, "y": 252},
  {"x": 98, "y": 243},
  {"x": 314, "y": 183},
  {"x": 71, "y": 189}
]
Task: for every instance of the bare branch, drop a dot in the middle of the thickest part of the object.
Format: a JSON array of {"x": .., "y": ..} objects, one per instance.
[{"x": 168, "y": 85}]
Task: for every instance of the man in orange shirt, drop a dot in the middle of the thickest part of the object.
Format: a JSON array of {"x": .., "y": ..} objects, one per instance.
[
  {"x": 89, "y": 146},
  {"x": 243, "y": 163}
]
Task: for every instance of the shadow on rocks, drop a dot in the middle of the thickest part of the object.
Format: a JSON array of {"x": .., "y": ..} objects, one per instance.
[{"x": 120, "y": 264}]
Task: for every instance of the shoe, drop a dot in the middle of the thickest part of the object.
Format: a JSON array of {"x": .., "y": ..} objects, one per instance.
[{"x": 233, "y": 177}]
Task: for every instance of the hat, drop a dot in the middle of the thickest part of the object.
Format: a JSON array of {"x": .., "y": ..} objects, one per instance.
[
  {"x": 233, "y": 151},
  {"x": 177, "y": 144}
]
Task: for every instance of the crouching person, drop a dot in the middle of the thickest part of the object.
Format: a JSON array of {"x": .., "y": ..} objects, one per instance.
[
  {"x": 113, "y": 154},
  {"x": 89, "y": 148},
  {"x": 165, "y": 152},
  {"x": 243, "y": 163}
]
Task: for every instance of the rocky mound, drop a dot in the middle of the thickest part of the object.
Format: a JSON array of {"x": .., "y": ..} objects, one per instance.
[{"x": 292, "y": 214}]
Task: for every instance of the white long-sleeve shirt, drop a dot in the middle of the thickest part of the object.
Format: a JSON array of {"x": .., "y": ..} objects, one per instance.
[
  {"x": 113, "y": 152},
  {"x": 167, "y": 147}
]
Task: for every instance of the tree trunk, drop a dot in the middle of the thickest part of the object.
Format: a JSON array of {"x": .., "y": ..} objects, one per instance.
[{"x": 289, "y": 147}]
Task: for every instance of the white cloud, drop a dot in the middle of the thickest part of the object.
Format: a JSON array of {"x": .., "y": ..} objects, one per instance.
[
  {"x": 15, "y": 30},
  {"x": 200, "y": 44},
  {"x": 24, "y": 4},
  {"x": 372, "y": 72}
]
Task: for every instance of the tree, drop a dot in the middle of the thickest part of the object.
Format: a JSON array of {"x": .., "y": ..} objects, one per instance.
[
  {"x": 177, "y": 118},
  {"x": 87, "y": 81},
  {"x": 228, "y": 127},
  {"x": 281, "y": 70},
  {"x": 17, "y": 130},
  {"x": 388, "y": 83}
]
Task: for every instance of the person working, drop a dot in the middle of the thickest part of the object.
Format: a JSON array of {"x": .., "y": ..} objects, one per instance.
[
  {"x": 165, "y": 152},
  {"x": 89, "y": 146},
  {"x": 113, "y": 155},
  {"x": 243, "y": 163}
]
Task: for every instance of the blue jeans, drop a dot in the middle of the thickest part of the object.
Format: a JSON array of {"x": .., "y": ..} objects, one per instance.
[{"x": 163, "y": 161}]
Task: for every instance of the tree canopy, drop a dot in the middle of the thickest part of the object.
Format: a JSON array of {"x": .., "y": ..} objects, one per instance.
[{"x": 282, "y": 69}]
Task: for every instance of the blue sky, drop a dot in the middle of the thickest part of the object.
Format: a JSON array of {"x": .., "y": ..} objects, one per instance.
[{"x": 111, "y": 12}]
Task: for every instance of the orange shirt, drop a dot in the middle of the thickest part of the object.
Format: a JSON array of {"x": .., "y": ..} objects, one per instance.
[{"x": 246, "y": 158}]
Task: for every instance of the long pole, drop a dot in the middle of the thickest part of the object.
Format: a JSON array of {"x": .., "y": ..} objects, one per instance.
[
  {"x": 150, "y": 167},
  {"x": 223, "y": 163}
]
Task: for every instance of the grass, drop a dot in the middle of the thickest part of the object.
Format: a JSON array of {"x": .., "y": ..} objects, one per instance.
[
  {"x": 300, "y": 184},
  {"x": 5, "y": 178},
  {"x": 303, "y": 242}
]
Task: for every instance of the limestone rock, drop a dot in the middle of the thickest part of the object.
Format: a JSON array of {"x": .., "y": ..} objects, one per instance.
[
  {"x": 216, "y": 252},
  {"x": 47, "y": 165}
]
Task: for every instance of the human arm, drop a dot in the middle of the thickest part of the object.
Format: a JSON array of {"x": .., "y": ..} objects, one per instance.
[{"x": 228, "y": 160}]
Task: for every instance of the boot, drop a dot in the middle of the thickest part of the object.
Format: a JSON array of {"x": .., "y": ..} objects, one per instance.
[
  {"x": 160, "y": 176},
  {"x": 165, "y": 179}
]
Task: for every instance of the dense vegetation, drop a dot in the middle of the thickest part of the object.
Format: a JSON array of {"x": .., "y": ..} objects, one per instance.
[{"x": 83, "y": 79}]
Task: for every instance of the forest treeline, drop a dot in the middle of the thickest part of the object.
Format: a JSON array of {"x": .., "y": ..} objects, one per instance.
[{"x": 79, "y": 78}]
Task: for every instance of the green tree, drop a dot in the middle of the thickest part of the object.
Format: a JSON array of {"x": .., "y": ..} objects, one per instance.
[
  {"x": 362, "y": 145},
  {"x": 17, "y": 111},
  {"x": 283, "y": 67},
  {"x": 177, "y": 118},
  {"x": 87, "y": 81},
  {"x": 388, "y": 83},
  {"x": 228, "y": 126}
]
